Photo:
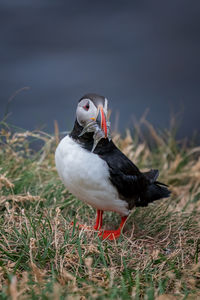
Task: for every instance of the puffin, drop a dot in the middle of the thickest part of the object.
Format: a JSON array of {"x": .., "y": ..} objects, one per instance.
[{"x": 95, "y": 171}]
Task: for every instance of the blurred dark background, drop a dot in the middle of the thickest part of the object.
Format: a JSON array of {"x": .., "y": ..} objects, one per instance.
[{"x": 139, "y": 54}]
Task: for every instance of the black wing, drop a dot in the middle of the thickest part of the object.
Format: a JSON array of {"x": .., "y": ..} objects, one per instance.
[
  {"x": 136, "y": 188},
  {"x": 124, "y": 175}
]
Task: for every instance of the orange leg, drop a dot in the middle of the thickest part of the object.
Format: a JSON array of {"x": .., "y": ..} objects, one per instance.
[
  {"x": 104, "y": 234},
  {"x": 98, "y": 224},
  {"x": 113, "y": 234},
  {"x": 99, "y": 220}
]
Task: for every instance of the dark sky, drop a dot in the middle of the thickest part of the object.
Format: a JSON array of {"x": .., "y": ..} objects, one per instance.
[{"x": 139, "y": 54}]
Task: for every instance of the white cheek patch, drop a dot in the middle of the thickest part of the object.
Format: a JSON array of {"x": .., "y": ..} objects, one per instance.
[{"x": 85, "y": 116}]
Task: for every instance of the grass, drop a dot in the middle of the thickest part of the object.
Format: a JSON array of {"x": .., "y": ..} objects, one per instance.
[{"x": 43, "y": 257}]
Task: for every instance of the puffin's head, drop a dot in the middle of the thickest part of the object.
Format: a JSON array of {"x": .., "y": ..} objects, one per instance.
[{"x": 93, "y": 108}]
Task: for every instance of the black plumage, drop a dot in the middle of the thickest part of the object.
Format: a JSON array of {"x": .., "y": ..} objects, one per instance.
[
  {"x": 133, "y": 186},
  {"x": 96, "y": 99}
]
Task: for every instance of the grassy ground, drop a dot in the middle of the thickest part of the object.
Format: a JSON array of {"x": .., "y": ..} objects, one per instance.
[{"x": 43, "y": 257}]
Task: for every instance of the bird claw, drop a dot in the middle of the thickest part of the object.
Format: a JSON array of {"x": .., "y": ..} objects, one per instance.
[{"x": 110, "y": 234}]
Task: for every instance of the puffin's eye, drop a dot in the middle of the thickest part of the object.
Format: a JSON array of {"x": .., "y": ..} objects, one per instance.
[{"x": 86, "y": 106}]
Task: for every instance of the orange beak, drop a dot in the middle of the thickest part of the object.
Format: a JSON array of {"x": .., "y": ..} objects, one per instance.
[{"x": 101, "y": 119}]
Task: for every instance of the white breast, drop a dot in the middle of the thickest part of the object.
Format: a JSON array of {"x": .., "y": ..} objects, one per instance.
[{"x": 86, "y": 176}]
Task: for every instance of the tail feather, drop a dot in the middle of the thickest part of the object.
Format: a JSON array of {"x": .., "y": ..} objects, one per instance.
[
  {"x": 161, "y": 183},
  {"x": 154, "y": 191}
]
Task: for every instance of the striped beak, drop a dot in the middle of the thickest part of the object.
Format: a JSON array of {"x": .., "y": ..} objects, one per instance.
[{"x": 101, "y": 120}]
